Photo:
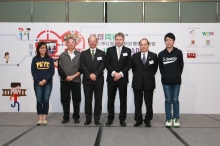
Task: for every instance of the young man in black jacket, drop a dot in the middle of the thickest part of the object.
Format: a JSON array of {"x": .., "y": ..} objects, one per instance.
[{"x": 171, "y": 66}]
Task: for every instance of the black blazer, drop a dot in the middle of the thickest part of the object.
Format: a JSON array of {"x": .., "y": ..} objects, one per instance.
[
  {"x": 143, "y": 72},
  {"x": 88, "y": 66},
  {"x": 122, "y": 65}
]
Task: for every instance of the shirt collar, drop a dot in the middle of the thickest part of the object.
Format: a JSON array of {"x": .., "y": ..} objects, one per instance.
[
  {"x": 118, "y": 47},
  {"x": 146, "y": 53},
  {"x": 73, "y": 51},
  {"x": 92, "y": 49}
]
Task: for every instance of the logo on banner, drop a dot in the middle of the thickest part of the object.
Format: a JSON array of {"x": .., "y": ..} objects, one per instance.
[
  {"x": 207, "y": 33},
  {"x": 108, "y": 40},
  {"x": 14, "y": 93},
  {"x": 191, "y": 55},
  {"x": 208, "y": 44},
  {"x": 56, "y": 43},
  {"x": 193, "y": 44},
  {"x": 192, "y": 33}
]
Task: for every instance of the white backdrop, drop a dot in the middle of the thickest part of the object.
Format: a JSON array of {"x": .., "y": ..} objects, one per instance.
[{"x": 199, "y": 43}]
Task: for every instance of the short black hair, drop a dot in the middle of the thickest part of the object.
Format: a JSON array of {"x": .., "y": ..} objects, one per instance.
[
  {"x": 169, "y": 35},
  {"x": 145, "y": 40}
]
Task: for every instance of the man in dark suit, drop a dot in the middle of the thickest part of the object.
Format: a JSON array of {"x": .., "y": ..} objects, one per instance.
[
  {"x": 118, "y": 63},
  {"x": 144, "y": 67},
  {"x": 92, "y": 65}
]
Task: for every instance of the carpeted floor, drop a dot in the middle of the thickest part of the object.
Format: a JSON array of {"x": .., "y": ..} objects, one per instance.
[{"x": 20, "y": 129}]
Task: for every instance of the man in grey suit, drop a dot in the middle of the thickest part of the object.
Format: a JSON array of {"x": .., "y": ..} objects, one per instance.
[
  {"x": 144, "y": 67},
  {"x": 92, "y": 66}
]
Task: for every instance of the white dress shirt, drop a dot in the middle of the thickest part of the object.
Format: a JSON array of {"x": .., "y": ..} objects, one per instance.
[{"x": 72, "y": 55}]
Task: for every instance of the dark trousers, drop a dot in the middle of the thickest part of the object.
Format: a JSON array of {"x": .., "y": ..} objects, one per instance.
[
  {"x": 138, "y": 101},
  {"x": 112, "y": 88},
  {"x": 88, "y": 91},
  {"x": 75, "y": 89}
]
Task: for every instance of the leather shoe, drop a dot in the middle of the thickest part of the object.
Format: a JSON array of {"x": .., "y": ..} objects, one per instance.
[
  {"x": 65, "y": 121},
  {"x": 137, "y": 124},
  {"x": 108, "y": 123},
  {"x": 87, "y": 122},
  {"x": 147, "y": 123},
  {"x": 97, "y": 122},
  {"x": 122, "y": 123},
  {"x": 76, "y": 121}
]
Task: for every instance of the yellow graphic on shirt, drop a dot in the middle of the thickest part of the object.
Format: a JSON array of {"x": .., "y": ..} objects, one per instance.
[{"x": 43, "y": 65}]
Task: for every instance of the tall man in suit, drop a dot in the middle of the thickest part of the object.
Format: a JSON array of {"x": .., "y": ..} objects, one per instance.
[
  {"x": 92, "y": 66},
  {"x": 118, "y": 63},
  {"x": 144, "y": 67}
]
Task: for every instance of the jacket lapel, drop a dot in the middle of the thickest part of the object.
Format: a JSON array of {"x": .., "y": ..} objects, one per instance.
[
  {"x": 95, "y": 56},
  {"x": 115, "y": 53},
  {"x": 140, "y": 60},
  {"x": 89, "y": 55}
]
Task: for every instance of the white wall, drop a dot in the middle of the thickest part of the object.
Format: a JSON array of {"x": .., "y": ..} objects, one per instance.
[{"x": 199, "y": 90}]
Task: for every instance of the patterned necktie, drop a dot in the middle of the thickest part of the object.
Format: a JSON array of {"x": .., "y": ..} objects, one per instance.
[
  {"x": 144, "y": 59},
  {"x": 93, "y": 55},
  {"x": 119, "y": 53}
]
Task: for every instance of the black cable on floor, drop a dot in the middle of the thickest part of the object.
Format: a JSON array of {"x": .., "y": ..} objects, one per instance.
[
  {"x": 212, "y": 118},
  {"x": 25, "y": 132},
  {"x": 178, "y": 137},
  {"x": 175, "y": 134},
  {"x": 99, "y": 135}
]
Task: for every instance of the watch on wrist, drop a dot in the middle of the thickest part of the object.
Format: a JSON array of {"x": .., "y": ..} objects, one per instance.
[{"x": 75, "y": 76}]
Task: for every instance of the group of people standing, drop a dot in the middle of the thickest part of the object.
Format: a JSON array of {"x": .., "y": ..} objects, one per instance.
[{"x": 118, "y": 61}]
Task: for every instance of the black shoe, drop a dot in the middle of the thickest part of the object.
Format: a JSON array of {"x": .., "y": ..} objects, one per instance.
[
  {"x": 122, "y": 123},
  {"x": 147, "y": 123},
  {"x": 108, "y": 123},
  {"x": 137, "y": 124},
  {"x": 76, "y": 121},
  {"x": 86, "y": 122},
  {"x": 97, "y": 122},
  {"x": 65, "y": 121}
]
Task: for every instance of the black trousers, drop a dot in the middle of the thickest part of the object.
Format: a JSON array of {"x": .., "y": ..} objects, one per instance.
[
  {"x": 89, "y": 89},
  {"x": 112, "y": 88},
  {"x": 75, "y": 89},
  {"x": 138, "y": 101}
]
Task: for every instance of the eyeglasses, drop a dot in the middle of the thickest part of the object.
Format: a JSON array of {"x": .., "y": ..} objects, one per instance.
[
  {"x": 42, "y": 47},
  {"x": 169, "y": 40}
]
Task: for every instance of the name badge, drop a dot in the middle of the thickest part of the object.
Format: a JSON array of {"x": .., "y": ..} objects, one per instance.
[
  {"x": 151, "y": 62},
  {"x": 125, "y": 54},
  {"x": 99, "y": 58}
]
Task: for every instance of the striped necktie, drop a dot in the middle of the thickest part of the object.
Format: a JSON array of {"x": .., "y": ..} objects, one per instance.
[{"x": 93, "y": 55}]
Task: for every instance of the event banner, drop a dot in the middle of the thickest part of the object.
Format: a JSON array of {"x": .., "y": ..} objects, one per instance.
[{"x": 198, "y": 42}]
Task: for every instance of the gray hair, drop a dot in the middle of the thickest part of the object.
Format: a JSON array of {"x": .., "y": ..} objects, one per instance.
[{"x": 67, "y": 39}]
